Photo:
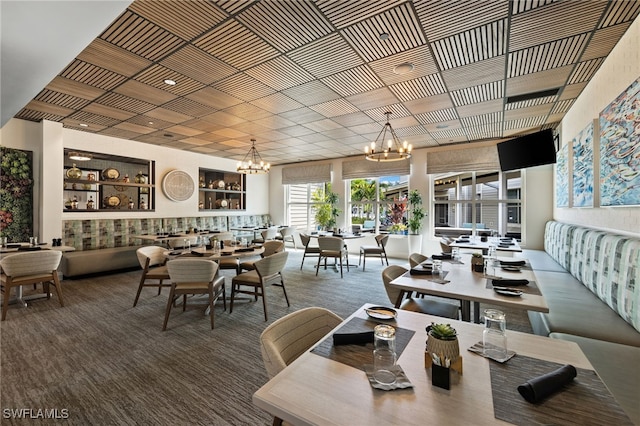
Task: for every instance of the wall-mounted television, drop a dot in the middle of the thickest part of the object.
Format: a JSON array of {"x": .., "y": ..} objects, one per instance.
[{"x": 535, "y": 149}]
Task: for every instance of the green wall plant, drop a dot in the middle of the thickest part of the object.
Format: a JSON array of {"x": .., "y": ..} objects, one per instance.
[{"x": 16, "y": 194}]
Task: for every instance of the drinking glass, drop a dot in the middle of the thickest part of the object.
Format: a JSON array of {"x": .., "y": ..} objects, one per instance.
[
  {"x": 33, "y": 241},
  {"x": 494, "y": 337},
  {"x": 437, "y": 267},
  {"x": 3, "y": 241},
  {"x": 384, "y": 354},
  {"x": 455, "y": 253}
]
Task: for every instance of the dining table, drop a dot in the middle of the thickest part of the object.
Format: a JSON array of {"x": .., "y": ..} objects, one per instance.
[
  {"x": 458, "y": 281},
  {"x": 508, "y": 245},
  {"x": 324, "y": 386}
]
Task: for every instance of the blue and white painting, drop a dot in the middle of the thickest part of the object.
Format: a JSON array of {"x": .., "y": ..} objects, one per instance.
[
  {"x": 562, "y": 177},
  {"x": 620, "y": 149},
  {"x": 583, "y": 168}
]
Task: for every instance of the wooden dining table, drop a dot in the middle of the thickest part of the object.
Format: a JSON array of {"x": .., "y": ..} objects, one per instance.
[
  {"x": 474, "y": 287},
  {"x": 317, "y": 389}
]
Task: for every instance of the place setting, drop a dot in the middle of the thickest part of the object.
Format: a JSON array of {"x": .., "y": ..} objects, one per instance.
[{"x": 431, "y": 270}]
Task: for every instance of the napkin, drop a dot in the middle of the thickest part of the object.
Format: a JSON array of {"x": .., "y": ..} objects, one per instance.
[
  {"x": 402, "y": 381},
  {"x": 462, "y": 240},
  {"x": 173, "y": 235},
  {"x": 197, "y": 253},
  {"x": 443, "y": 256},
  {"x": 240, "y": 250},
  {"x": 26, "y": 248},
  {"x": 353, "y": 338},
  {"x": 509, "y": 283},
  {"x": 175, "y": 253},
  {"x": 513, "y": 262},
  {"x": 14, "y": 245},
  {"x": 538, "y": 388},
  {"x": 422, "y": 271}
]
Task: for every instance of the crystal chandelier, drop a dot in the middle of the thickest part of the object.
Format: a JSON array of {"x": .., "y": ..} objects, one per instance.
[
  {"x": 252, "y": 162},
  {"x": 393, "y": 150}
]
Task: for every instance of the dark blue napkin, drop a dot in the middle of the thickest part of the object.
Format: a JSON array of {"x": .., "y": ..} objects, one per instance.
[{"x": 536, "y": 389}]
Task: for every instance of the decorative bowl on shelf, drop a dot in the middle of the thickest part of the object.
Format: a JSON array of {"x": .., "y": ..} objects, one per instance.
[
  {"x": 74, "y": 173},
  {"x": 221, "y": 184},
  {"x": 110, "y": 174}
]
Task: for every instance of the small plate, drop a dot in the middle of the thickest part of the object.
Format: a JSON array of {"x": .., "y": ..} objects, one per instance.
[
  {"x": 507, "y": 292},
  {"x": 381, "y": 312}
]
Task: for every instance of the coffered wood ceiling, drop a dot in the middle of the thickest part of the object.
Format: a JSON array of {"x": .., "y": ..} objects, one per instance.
[{"x": 311, "y": 80}]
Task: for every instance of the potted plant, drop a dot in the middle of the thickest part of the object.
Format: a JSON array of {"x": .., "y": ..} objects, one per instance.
[
  {"x": 442, "y": 340},
  {"x": 398, "y": 228},
  {"x": 416, "y": 217},
  {"x": 327, "y": 213},
  {"x": 477, "y": 262}
]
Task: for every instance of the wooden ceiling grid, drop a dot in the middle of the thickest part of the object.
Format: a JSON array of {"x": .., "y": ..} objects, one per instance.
[{"x": 313, "y": 79}]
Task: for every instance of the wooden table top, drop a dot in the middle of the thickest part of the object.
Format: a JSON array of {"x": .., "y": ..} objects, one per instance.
[
  {"x": 468, "y": 285},
  {"x": 226, "y": 253},
  {"x": 315, "y": 390}
]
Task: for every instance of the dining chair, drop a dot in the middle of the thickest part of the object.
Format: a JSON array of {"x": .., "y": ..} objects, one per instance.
[
  {"x": 444, "y": 244},
  {"x": 309, "y": 250},
  {"x": 377, "y": 250},
  {"x": 179, "y": 243},
  {"x": 228, "y": 262},
  {"x": 267, "y": 271},
  {"x": 153, "y": 263},
  {"x": 287, "y": 338},
  {"x": 288, "y": 234},
  {"x": 426, "y": 305},
  {"x": 270, "y": 247},
  {"x": 30, "y": 268},
  {"x": 332, "y": 247},
  {"x": 191, "y": 276},
  {"x": 416, "y": 258},
  {"x": 266, "y": 235}
]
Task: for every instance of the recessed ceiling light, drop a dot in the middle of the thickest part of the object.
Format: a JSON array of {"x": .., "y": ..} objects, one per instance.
[
  {"x": 384, "y": 36},
  {"x": 170, "y": 82},
  {"x": 168, "y": 135},
  {"x": 84, "y": 125},
  {"x": 442, "y": 126},
  {"x": 151, "y": 122},
  {"x": 403, "y": 68}
]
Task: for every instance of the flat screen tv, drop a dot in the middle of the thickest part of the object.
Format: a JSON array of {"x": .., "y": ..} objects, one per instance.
[{"x": 535, "y": 149}]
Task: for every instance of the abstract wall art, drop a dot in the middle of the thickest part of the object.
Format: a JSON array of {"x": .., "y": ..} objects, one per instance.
[
  {"x": 562, "y": 177},
  {"x": 620, "y": 149},
  {"x": 583, "y": 168}
]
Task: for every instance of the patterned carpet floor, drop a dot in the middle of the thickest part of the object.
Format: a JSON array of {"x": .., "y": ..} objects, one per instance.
[{"x": 100, "y": 361}]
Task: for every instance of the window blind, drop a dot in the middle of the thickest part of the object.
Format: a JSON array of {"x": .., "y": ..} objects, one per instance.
[
  {"x": 361, "y": 168},
  {"x": 310, "y": 173},
  {"x": 484, "y": 158}
]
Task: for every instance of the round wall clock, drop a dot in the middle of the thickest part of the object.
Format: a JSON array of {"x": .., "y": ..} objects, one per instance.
[{"x": 178, "y": 185}]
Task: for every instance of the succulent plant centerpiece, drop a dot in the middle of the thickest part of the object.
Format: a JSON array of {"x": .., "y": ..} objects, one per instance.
[
  {"x": 477, "y": 262},
  {"x": 442, "y": 340}
]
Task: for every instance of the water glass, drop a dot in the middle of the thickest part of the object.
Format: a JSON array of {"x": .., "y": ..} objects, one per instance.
[
  {"x": 33, "y": 241},
  {"x": 455, "y": 253},
  {"x": 494, "y": 337},
  {"x": 384, "y": 354},
  {"x": 489, "y": 267},
  {"x": 437, "y": 267},
  {"x": 3, "y": 241}
]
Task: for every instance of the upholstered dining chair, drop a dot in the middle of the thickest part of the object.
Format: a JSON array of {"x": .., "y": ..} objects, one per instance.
[
  {"x": 425, "y": 305},
  {"x": 30, "y": 268},
  {"x": 377, "y": 250},
  {"x": 444, "y": 244},
  {"x": 194, "y": 276},
  {"x": 152, "y": 261},
  {"x": 332, "y": 247},
  {"x": 287, "y": 338},
  {"x": 268, "y": 234},
  {"x": 228, "y": 262},
  {"x": 267, "y": 271},
  {"x": 309, "y": 250},
  {"x": 416, "y": 258},
  {"x": 288, "y": 233},
  {"x": 270, "y": 247}
]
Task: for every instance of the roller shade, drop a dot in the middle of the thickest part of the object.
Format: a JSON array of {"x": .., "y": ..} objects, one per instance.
[
  {"x": 483, "y": 158},
  {"x": 310, "y": 173},
  {"x": 361, "y": 168}
]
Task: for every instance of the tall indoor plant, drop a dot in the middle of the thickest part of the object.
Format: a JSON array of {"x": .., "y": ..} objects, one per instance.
[
  {"x": 326, "y": 214},
  {"x": 416, "y": 217}
]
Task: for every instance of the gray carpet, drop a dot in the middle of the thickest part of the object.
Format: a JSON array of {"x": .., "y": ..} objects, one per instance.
[{"x": 107, "y": 363}]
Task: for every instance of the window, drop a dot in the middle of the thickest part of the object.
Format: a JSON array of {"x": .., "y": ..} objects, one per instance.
[
  {"x": 378, "y": 203},
  {"x": 303, "y": 202},
  {"x": 478, "y": 201}
]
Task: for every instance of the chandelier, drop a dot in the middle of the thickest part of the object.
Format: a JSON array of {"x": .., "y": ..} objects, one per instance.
[
  {"x": 252, "y": 162},
  {"x": 392, "y": 151}
]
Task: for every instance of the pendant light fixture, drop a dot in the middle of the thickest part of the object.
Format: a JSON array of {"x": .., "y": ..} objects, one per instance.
[
  {"x": 79, "y": 156},
  {"x": 391, "y": 150},
  {"x": 252, "y": 162}
]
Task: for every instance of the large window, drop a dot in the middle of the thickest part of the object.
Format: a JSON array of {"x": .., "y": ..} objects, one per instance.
[
  {"x": 378, "y": 203},
  {"x": 303, "y": 202},
  {"x": 478, "y": 201}
]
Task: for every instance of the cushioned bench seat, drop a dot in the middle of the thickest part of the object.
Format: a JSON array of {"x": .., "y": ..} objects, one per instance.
[{"x": 85, "y": 262}]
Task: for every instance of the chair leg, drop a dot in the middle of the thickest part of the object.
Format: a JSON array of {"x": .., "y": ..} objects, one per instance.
[
  {"x": 318, "y": 265},
  {"x": 160, "y": 287},
  {"x": 340, "y": 267},
  {"x": 277, "y": 421},
  {"x": 184, "y": 302},
  {"x": 5, "y": 303},
  {"x": 364, "y": 262},
  {"x": 264, "y": 300},
  {"x": 168, "y": 309},
  {"x": 284, "y": 290},
  {"x": 211, "y": 304},
  {"x": 142, "y": 279},
  {"x": 233, "y": 287},
  {"x": 58, "y": 286}
]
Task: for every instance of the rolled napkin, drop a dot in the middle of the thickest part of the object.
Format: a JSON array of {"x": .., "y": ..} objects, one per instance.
[
  {"x": 244, "y": 249},
  {"x": 353, "y": 338},
  {"x": 462, "y": 240},
  {"x": 443, "y": 256},
  {"x": 197, "y": 253},
  {"x": 26, "y": 248},
  {"x": 175, "y": 253},
  {"x": 513, "y": 262},
  {"x": 538, "y": 388},
  {"x": 509, "y": 283},
  {"x": 14, "y": 245},
  {"x": 423, "y": 271}
]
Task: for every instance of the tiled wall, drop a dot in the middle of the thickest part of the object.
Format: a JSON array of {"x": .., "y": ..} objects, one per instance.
[{"x": 93, "y": 234}]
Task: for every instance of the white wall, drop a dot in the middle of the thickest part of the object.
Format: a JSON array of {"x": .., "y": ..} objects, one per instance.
[
  {"x": 620, "y": 69},
  {"x": 49, "y": 139}
]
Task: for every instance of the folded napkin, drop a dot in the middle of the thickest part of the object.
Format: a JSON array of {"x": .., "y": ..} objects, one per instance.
[
  {"x": 513, "y": 262},
  {"x": 240, "y": 250},
  {"x": 352, "y": 338},
  {"x": 197, "y": 253},
  {"x": 14, "y": 245},
  {"x": 509, "y": 283},
  {"x": 422, "y": 271},
  {"x": 538, "y": 388},
  {"x": 173, "y": 235},
  {"x": 443, "y": 256},
  {"x": 175, "y": 253},
  {"x": 507, "y": 243},
  {"x": 462, "y": 240},
  {"x": 402, "y": 381},
  {"x": 27, "y": 248}
]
